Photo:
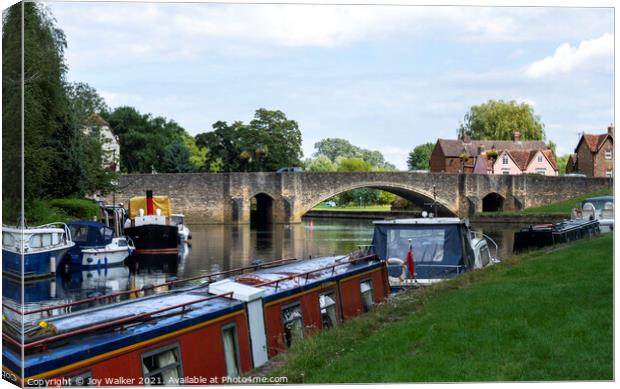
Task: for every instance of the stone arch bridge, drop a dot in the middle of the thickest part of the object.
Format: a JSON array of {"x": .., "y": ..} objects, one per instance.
[{"x": 286, "y": 197}]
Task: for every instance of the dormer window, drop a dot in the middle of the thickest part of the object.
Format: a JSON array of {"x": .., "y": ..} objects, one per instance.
[{"x": 608, "y": 154}]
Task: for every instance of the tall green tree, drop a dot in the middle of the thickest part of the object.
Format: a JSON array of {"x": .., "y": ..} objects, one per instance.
[
  {"x": 84, "y": 100},
  {"x": 176, "y": 159},
  {"x": 420, "y": 157},
  {"x": 270, "y": 141},
  {"x": 334, "y": 148},
  {"x": 497, "y": 120}
]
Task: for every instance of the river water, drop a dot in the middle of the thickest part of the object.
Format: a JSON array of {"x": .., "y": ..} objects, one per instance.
[{"x": 215, "y": 248}]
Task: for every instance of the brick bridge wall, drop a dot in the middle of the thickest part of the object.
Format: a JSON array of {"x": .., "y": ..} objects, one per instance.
[{"x": 225, "y": 197}]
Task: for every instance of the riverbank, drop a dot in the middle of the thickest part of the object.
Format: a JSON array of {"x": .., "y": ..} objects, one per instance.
[{"x": 545, "y": 315}]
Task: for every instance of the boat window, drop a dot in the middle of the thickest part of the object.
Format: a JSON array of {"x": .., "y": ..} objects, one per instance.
[
  {"x": 231, "y": 353},
  {"x": 79, "y": 233},
  {"x": 428, "y": 244},
  {"x": 162, "y": 366},
  {"x": 293, "y": 324},
  {"x": 122, "y": 243},
  {"x": 107, "y": 233},
  {"x": 55, "y": 238},
  {"x": 8, "y": 239},
  {"x": 46, "y": 240},
  {"x": 367, "y": 294},
  {"x": 329, "y": 317},
  {"x": 35, "y": 241},
  {"x": 485, "y": 256},
  {"x": 82, "y": 379}
]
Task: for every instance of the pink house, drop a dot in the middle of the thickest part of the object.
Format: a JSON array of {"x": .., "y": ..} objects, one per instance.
[{"x": 515, "y": 162}]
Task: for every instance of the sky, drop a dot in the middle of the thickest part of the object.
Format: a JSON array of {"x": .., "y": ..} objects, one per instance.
[{"x": 385, "y": 78}]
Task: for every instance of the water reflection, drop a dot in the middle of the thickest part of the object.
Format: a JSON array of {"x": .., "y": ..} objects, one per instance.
[{"x": 216, "y": 248}]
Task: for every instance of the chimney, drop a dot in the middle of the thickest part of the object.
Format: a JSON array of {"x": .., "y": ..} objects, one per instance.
[
  {"x": 481, "y": 149},
  {"x": 516, "y": 136},
  {"x": 466, "y": 139},
  {"x": 149, "y": 203},
  {"x": 610, "y": 129}
]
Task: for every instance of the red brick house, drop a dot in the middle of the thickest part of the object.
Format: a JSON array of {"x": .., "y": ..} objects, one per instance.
[
  {"x": 594, "y": 155},
  {"x": 465, "y": 155}
]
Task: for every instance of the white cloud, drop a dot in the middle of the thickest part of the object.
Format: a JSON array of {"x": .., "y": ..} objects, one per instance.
[{"x": 590, "y": 54}]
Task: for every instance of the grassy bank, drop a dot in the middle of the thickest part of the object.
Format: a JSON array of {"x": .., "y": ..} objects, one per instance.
[
  {"x": 559, "y": 208},
  {"x": 535, "y": 317},
  {"x": 355, "y": 208}
]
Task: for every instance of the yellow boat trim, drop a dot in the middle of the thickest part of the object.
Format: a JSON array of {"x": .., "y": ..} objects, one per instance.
[{"x": 126, "y": 349}]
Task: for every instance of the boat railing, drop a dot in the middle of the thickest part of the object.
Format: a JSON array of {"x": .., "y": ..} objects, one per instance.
[
  {"x": 488, "y": 238},
  {"x": 306, "y": 275},
  {"x": 113, "y": 323},
  {"x": 137, "y": 291}
]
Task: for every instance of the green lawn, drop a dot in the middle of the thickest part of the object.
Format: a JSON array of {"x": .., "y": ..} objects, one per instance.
[
  {"x": 560, "y": 208},
  {"x": 535, "y": 317},
  {"x": 357, "y": 208}
]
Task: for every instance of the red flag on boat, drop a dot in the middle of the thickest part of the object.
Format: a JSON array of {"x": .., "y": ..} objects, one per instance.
[{"x": 410, "y": 265}]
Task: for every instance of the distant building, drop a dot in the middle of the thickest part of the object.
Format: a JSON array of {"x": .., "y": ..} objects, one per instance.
[
  {"x": 594, "y": 155},
  {"x": 96, "y": 125},
  {"x": 493, "y": 156}
]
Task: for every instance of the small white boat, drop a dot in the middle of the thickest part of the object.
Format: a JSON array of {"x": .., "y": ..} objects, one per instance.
[
  {"x": 96, "y": 246},
  {"x": 439, "y": 248},
  {"x": 599, "y": 208},
  {"x": 179, "y": 220}
]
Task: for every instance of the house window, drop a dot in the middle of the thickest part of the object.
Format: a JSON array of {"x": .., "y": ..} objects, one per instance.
[
  {"x": 293, "y": 324},
  {"x": 231, "y": 349},
  {"x": 506, "y": 171},
  {"x": 162, "y": 366},
  {"x": 82, "y": 379},
  {"x": 540, "y": 158},
  {"x": 608, "y": 154},
  {"x": 609, "y": 173},
  {"x": 542, "y": 171},
  {"x": 329, "y": 317},
  {"x": 505, "y": 160},
  {"x": 367, "y": 294}
]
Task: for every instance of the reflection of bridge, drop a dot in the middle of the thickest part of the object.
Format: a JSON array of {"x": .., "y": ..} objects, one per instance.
[{"x": 286, "y": 197}]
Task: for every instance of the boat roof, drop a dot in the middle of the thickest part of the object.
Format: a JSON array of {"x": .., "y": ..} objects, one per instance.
[
  {"x": 290, "y": 278},
  {"x": 422, "y": 221},
  {"x": 600, "y": 198},
  {"x": 88, "y": 223}
]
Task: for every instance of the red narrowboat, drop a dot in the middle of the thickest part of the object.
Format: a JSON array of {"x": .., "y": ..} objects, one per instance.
[{"x": 196, "y": 334}]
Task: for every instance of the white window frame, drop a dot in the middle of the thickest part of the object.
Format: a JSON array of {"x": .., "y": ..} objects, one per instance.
[
  {"x": 148, "y": 376},
  {"x": 609, "y": 173},
  {"x": 332, "y": 295},
  {"x": 505, "y": 160},
  {"x": 372, "y": 294},
  {"x": 226, "y": 327},
  {"x": 301, "y": 319},
  {"x": 541, "y": 170},
  {"x": 608, "y": 154},
  {"x": 505, "y": 171}
]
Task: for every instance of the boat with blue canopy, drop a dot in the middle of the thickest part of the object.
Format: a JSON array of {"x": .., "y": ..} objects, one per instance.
[
  {"x": 439, "y": 248},
  {"x": 96, "y": 247}
]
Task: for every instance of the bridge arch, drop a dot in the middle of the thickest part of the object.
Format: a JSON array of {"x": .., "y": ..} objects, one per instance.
[
  {"x": 261, "y": 209},
  {"x": 417, "y": 196},
  {"x": 493, "y": 202}
]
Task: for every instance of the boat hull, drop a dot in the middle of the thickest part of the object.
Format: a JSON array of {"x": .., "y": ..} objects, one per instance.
[
  {"x": 36, "y": 265},
  {"x": 154, "y": 239},
  {"x": 101, "y": 258}
]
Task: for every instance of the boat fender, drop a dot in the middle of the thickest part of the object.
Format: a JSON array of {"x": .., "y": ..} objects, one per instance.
[{"x": 53, "y": 265}]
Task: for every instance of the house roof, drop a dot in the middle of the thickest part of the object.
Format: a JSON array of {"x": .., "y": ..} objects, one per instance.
[
  {"x": 96, "y": 120},
  {"x": 456, "y": 147},
  {"x": 593, "y": 141},
  {"x": 522, "y": 158}
]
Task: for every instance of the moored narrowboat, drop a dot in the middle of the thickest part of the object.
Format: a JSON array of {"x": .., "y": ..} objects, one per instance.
[
  {"x": 541, "y": 235},
  {"x": 194, "y": 334}
]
